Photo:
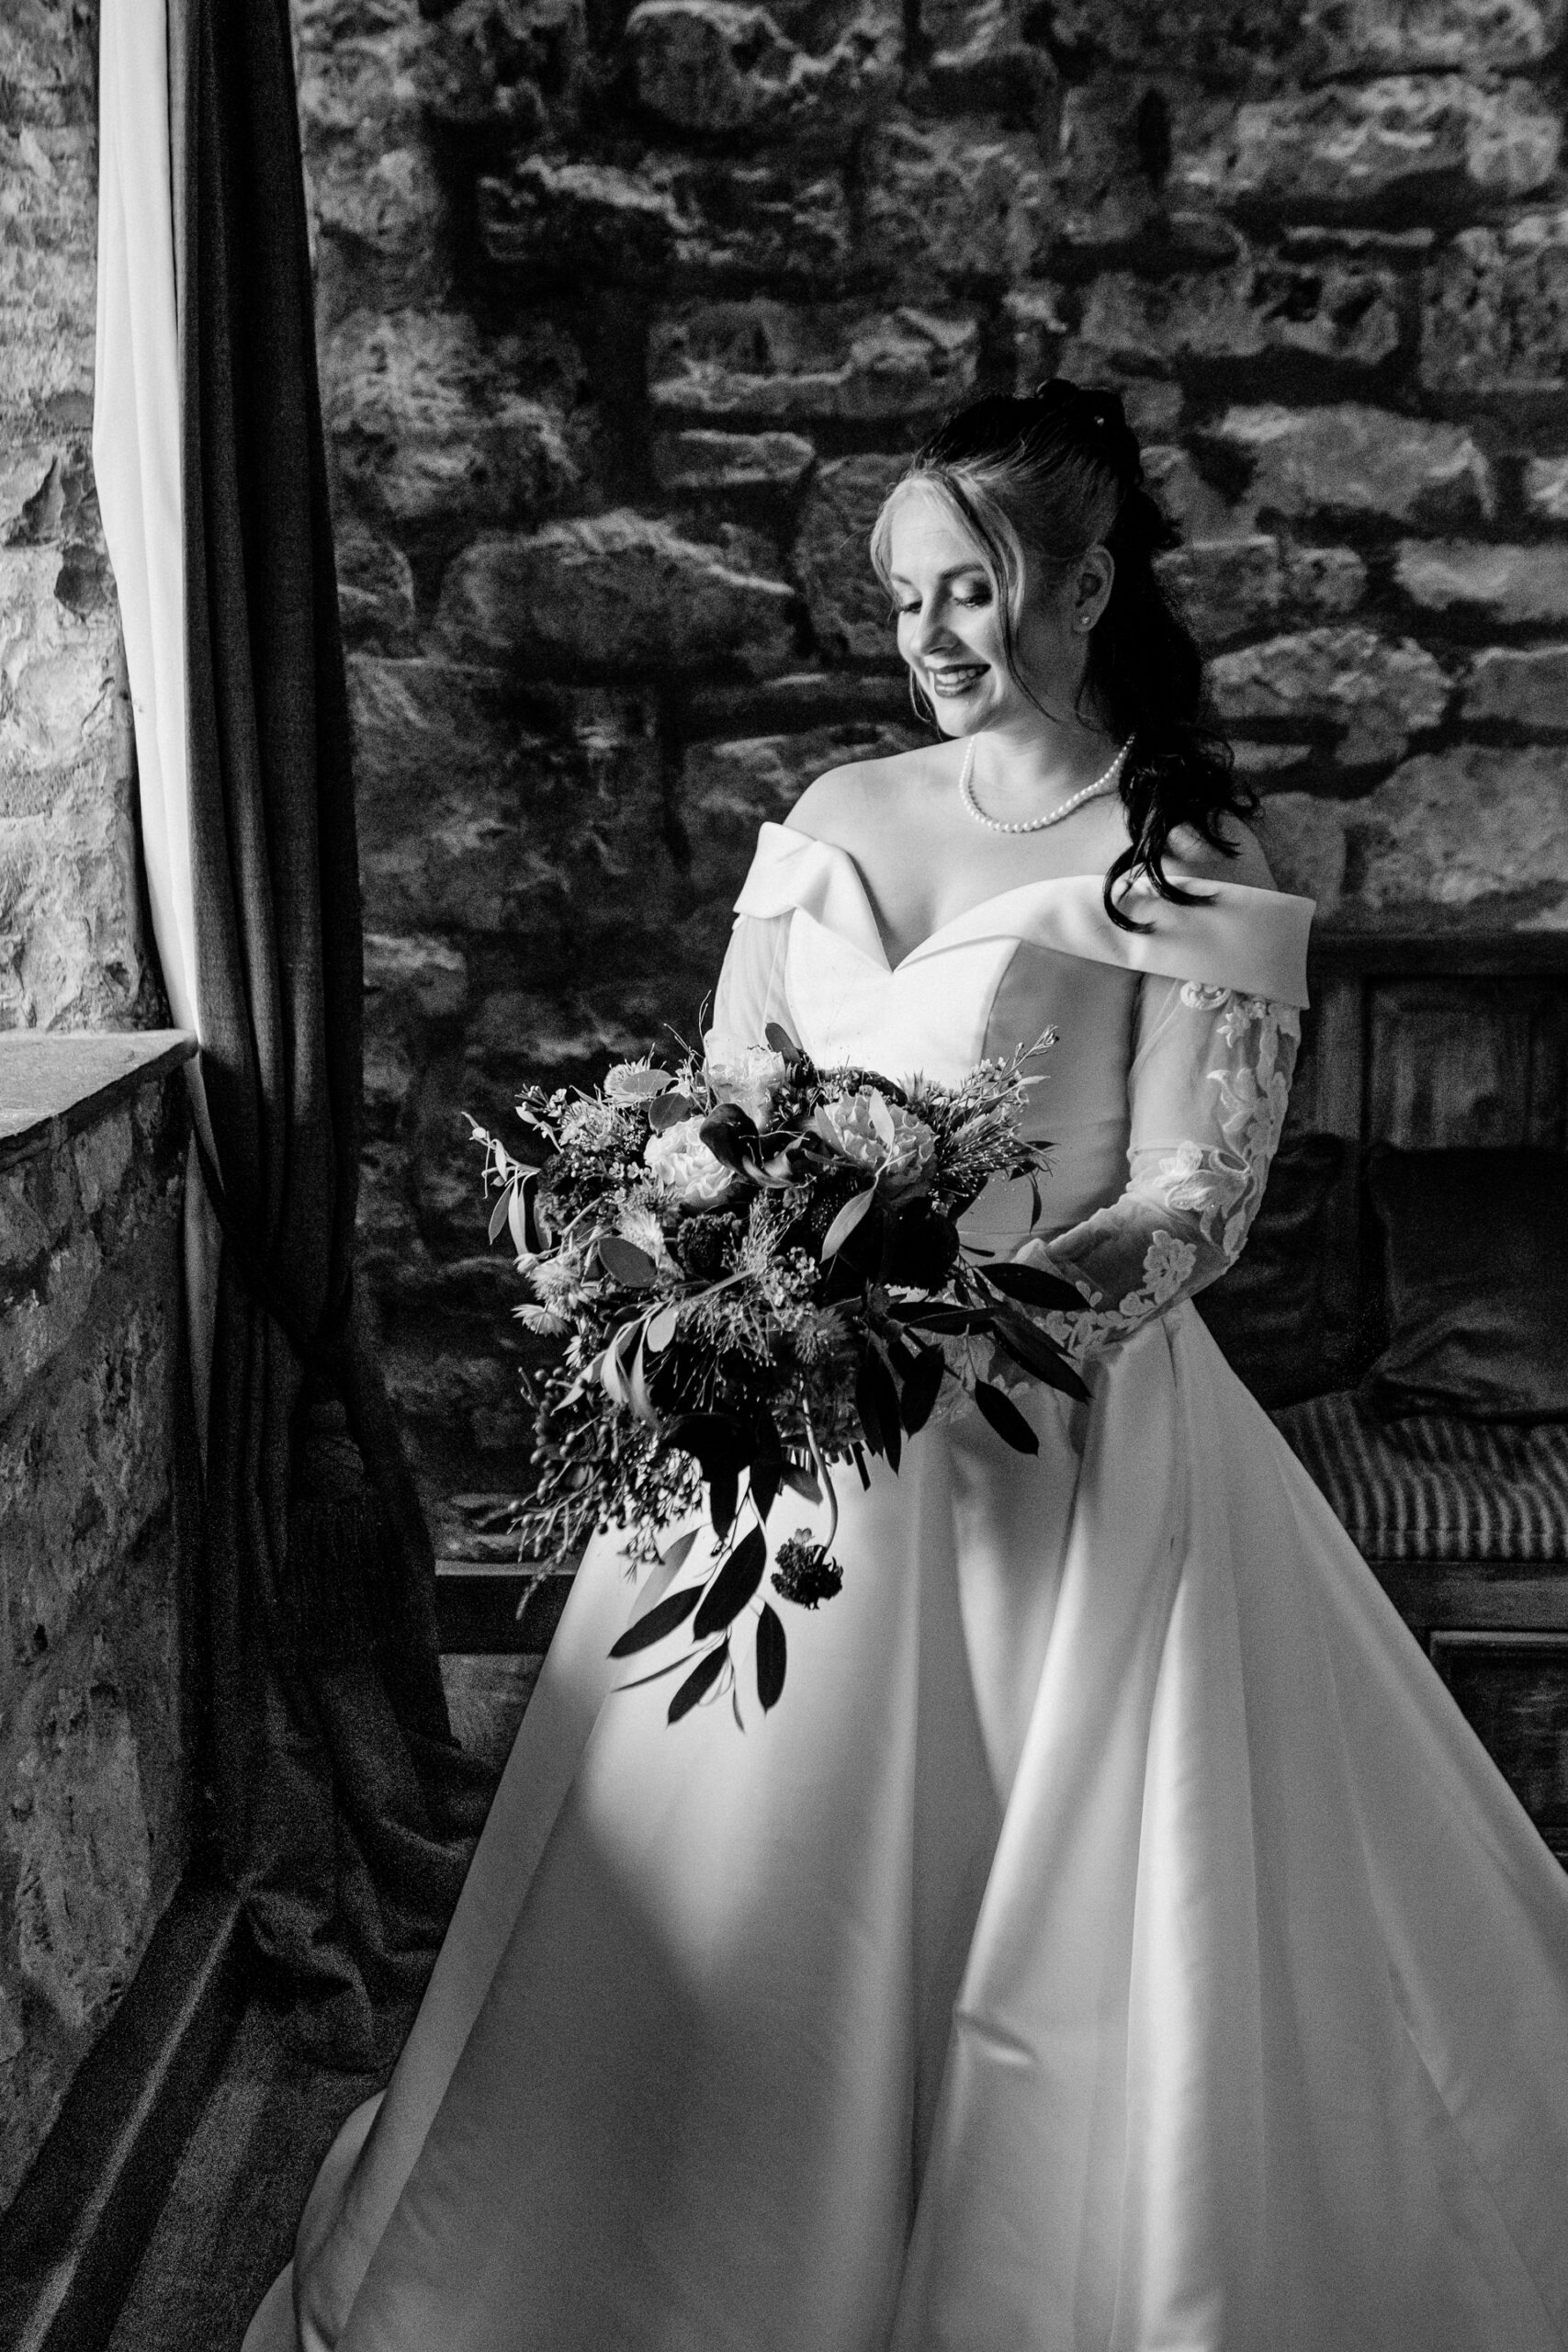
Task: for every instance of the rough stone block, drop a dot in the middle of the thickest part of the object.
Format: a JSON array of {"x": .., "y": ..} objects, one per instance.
[
  {"x": 545, "y": 832},
  {"x": 85, "y": 1464},
  {"x": 39, "y": 1322},
  {"x": 940, "y": 201},
  {"x": 372, "y": 181},
  {"x": 780, "y": 362},
  {"x": 713, "y": 66},
  {"x": 783, "y": 221},
  {"x": 1506, "y": 583},
  {"x": 1343, "y": 310},
  {"x": 617, "y": 591},
  {"x": 848, "y": 604},
  {"x": 1476, "y": 835},
  {"x": 1545, "y": 489},
  {"x": 375, "y": 591},
  {"x": 1318, "y": 41},
  {"x": 1233, "y": 587},
  {"x": 47, "y": 52},
  {"x": 1431, "y": 140},
  {"x": 429, "y": 427},
  {"x": 427, "y": 972},
  {"x": 1359, "y": 460},
  {"x": 1201, "y": 511},
  {"x": 1494, "y": 309},
  {"x": 1374, "y": 692},
  {"x": 46, "y": 287},
  {"x": 571, "y": 220},
  {"x": 1525, "y": 688},
  {"x": 1302, "y": 837},
  {"x": 726, "y": 790},
  {"x": 513, "y": 68},
  {"x": 730, "y": 461},
  {"x": 78, "y": 1840}
]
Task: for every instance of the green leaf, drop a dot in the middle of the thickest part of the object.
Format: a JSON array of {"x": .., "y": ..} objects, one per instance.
[
  {"x": 781, "y": 1041},
  {"x": 678, "y": 1549},
  {"x": 921, "y": 1386},
  {"x": 626, "y": 1263},
  {"x": 497, "y": 1213},
  {"x": 1004, "y": 1418},
  {"x": 801, "y": 1480},
  {"x": 733, "y": 1586},
  {"x": 772, "y": 1657},
  {"x": 699, "y": 1683},
  {"x": 661, "y": 1330},
  {"x": 1034, "y": 1287},
  {"x": 661, "y": 1619},
  {"x": 844, "y": 1224},
  {"x": 724, "y": 1496},
  {"x": 923, "y": 1315},
  {"x": 667, "y": 1111}
]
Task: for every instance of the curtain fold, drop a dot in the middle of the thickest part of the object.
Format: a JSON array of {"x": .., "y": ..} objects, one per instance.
[{"x": 345, "y": 1806}]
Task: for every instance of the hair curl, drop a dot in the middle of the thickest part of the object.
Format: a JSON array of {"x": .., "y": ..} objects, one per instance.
[{"x": 1051, "y": 474}]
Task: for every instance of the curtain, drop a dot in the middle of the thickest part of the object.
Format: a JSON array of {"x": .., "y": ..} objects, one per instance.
[{"x": 345, "y": 1807}]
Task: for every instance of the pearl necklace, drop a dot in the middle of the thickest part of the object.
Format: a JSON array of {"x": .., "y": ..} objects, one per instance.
[{"x": 1053, "y": 816}]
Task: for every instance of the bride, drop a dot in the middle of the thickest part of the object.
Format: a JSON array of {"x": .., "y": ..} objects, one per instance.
[{"x": 1116, "y": 1939}]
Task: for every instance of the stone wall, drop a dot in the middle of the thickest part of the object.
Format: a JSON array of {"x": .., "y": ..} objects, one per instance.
[
  {"x": 71, "y": 953},
  {"x": 626, "y": 320},
  {"x": 95, "y": 1742}
]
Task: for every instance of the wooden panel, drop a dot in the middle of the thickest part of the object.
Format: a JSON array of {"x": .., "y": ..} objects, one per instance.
[
  {"x": 1478, "y": 1062},
  {"x": 1514, "y": 1690}
]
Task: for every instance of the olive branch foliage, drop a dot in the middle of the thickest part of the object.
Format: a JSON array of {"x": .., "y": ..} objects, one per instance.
[{"x": 753, "y": 1271}]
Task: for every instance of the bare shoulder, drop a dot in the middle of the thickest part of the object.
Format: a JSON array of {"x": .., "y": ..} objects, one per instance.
[
  {"x": 836, "y": 806},
  {"x": 1192, "y": 855}
]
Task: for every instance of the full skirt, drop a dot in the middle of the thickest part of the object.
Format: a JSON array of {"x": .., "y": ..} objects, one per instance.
[{"x": 1115, "y": 1940}]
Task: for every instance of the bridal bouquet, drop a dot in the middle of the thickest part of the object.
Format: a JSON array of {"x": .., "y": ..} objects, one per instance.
[{"x": 754, "y": 1269}]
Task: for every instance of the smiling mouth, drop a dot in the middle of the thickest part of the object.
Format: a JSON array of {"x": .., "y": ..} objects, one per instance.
[{"x": 956, "y": 678}]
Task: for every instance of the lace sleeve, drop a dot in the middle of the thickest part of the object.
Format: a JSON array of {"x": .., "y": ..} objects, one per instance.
[
  {"x": 750, "y": 991},
  {"x": 1208, "y": 1081}
]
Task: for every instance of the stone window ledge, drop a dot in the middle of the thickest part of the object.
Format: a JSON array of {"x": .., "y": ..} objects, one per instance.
[{"x": 54, "y": 1086}]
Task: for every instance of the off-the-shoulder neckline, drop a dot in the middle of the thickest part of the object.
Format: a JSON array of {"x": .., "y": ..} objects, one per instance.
[{"x": 792, "y": 835}]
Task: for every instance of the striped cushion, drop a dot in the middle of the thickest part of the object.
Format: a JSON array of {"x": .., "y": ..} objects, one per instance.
[{"x": 1434, "y": 1487}]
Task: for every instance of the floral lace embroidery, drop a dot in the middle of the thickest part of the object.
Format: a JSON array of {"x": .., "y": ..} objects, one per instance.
[{"x": 1184, "y": 1217}]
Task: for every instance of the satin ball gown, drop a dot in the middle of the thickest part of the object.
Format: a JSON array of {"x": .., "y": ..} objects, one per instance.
[{"x": 1116, "y": 1941}]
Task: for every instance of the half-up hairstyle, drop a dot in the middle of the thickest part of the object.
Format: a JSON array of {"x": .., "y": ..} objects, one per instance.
[{"x": 1048, "y": 476}]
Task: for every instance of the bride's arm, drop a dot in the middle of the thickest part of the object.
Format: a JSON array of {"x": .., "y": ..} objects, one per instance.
[
  {"x": 1210, "y": 1078},
  {"x": 751, "y": 990}
]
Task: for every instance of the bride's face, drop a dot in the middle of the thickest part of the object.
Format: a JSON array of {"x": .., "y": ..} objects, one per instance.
[{"x": 950, "y": 625}]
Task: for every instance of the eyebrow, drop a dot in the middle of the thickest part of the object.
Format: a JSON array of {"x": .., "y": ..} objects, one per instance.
[{"x": 952, "y": 572}]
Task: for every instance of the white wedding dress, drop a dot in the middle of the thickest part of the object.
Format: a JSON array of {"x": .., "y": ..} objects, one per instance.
[{"x": 1115, "y": 1940}]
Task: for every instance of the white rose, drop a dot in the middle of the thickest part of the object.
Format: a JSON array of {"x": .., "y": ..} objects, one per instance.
[
  {"x": 876, "y": 1133},
  {"x": 680, "y": 1158},
  {"x": 744, "y": 1074}
]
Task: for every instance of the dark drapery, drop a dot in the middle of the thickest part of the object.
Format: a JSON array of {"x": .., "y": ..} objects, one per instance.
[{"x": 345, "y": 1806}]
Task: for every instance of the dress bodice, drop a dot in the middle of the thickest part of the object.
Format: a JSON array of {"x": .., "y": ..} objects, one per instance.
[{"x": 1167, "y": 1048}]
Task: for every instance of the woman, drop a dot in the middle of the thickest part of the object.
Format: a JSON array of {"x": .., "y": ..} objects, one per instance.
[{"x": 1116, "y": 1939}]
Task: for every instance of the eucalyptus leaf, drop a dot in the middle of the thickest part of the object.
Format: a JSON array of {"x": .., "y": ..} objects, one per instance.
[
  {"x": 1004, "y": 1418},
  {"x": 661, "y": 1619},
  {"x": 1033, "y": 1286},
  {"x": 497, "y": 1213},
  {"x": 921, "y": 1387},
  {"x": 733, "y": 1586},
  {"x": 675, "y": 1553},
  {"x": 772, "y": 1657},
  {"x": 667, "y": 1111},
  {"x": 849, "y": 1216},
  {"x": 626, "y": 1263},
  {"x": 699, "y": 1683},
  {"x": 661, "y": 1330}
]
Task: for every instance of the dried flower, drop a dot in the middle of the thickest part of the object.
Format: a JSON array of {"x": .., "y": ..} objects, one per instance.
[
  {"x": 749, "y": 1075},
  {"x": 805, "y": 1572},
  {"x": 633, "y": 1082}
]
